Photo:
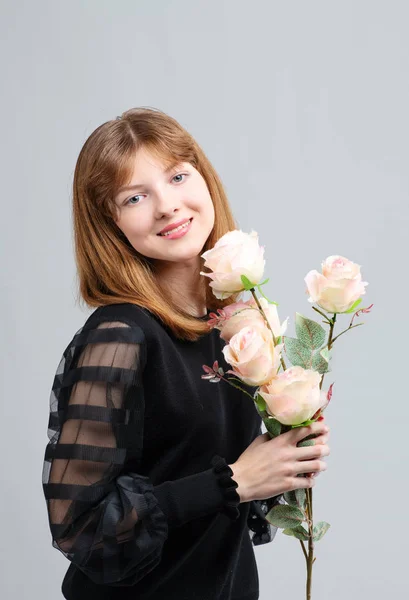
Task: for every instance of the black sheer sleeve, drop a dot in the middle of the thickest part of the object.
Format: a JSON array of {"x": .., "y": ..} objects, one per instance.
[
  {"x": 103, "y": 519},
  {"x": 260, "y": 530},
  {"x": 110, "y": 522}
]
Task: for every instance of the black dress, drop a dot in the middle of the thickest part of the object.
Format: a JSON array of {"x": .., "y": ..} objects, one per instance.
[{"x": 139, "y": 493}]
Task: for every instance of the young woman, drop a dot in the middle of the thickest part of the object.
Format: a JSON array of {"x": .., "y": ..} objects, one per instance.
[{"x": 156, "y": 481}]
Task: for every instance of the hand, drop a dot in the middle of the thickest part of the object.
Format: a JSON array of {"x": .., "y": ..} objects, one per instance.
[{"x": 269, "y": 467}]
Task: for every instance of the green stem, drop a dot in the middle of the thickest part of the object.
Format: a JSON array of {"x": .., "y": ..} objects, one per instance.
[
  {"x": 236, "y": 386},
  {"x": 331, "y": 341},
  {"x": 304, "y": 550},
  {"x": 311, "y": 558},
  {"x": 264, "y": 296},
  {"x": 235, "y": 379},
  {"x": 327, "y": 320},
  {"x": 345, "y": 330},
  {"x": 268, "y": 324}
]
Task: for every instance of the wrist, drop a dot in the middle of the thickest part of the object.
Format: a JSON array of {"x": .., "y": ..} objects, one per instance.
[{"x": 241, "y": 487}]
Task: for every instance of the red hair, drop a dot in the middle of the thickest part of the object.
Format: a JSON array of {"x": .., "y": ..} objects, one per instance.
[{"x": 109, "y": 269}]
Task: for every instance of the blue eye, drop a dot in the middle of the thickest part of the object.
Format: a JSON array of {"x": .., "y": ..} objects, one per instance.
[
  {"x": 180, "y": 175},
  {"x": 139, "y": 195},
  {"x": 128, "y": 201}
]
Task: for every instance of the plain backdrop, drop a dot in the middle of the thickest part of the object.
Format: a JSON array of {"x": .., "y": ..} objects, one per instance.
[{"x": 302, "y": 107}]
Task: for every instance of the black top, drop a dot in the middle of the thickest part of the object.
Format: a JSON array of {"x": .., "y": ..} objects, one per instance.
[{"x": 140, "y": 497}]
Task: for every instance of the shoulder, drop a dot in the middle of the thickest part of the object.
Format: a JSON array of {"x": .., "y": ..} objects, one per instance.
[
  {"x": 125, "y": 312},
  {"x": 133, "y": 315}
]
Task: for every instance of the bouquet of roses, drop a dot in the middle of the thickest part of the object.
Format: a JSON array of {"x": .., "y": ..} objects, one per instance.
[{"x": 255, "y": 344}]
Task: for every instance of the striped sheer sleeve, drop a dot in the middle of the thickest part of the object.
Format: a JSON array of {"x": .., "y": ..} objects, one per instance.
[{"x": 102, "y": 517}]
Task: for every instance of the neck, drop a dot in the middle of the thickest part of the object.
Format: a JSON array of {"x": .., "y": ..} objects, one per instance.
[{"x": 185, "y": 285}]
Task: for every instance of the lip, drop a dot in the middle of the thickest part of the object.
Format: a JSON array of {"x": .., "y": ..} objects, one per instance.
[{"x": 173, "y": 225}]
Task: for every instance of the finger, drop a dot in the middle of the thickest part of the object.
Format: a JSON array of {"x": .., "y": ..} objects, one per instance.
[
  {"x": 303, "y": 482},
  {"x": 321, "y": 419},
  {"x": 304, "y": 453},
  {"x": 321, "y": 439},
  {"x": 300, "y": 433},
  {"x": 310, "y": 466}
]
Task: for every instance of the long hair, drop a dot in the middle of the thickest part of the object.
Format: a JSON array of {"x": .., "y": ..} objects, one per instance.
[{"x": 109, "y": 269}]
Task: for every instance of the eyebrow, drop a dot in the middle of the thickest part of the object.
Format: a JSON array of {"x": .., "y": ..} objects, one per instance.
[{"x": 134, "y": 186}]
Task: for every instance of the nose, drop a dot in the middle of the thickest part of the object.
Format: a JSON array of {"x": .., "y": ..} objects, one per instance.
[{"x": 166, "y": 203}]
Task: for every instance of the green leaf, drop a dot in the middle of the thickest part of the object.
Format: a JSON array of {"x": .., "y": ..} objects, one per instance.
[
  {"x": 296, "y": 498},
  {"x": 291, "y": 498},
  {"x": 319, "y": 530},
  {"x": 325, "y": 353},
  {"x": 303, "y": 424},
  {"x": 309, "y": 332},
  {"x": 301, "y": 496},
  {"x": 307, "y": 441},
  {"x": 298, "y": 532},
  {"x": 265, "y": 281},
  {"x": 261, "y": 403},
  {"x": 273, "y": 426},
  {"x": 284, "y": 516},
  {"x": 353, "y": 307},
  {"x": 304, "y": 443},
  {"x": 298, "y": 353},
  {"x": 320, "y": 361},
  {"x": 247, "y": 283}
]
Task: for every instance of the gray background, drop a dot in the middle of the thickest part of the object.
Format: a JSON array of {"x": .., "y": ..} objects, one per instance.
[{"x": 303, "y": 109}]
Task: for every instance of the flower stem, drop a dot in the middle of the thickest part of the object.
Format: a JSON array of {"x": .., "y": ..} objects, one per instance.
[
  {"x": 327, "y": 320},
  {"x": 311, "y": 558},
  {"x": 331, "y": 341},
  {"x": 236, "y": 386},
  {"x": 345, "y": 330},
  {"x": 268, "y": 325},
  {"x": 304, "y": 550},
  {"x": 264, "y": 296}
]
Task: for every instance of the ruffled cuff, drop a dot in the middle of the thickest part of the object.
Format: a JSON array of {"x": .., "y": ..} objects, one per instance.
[
  {"x": 228, "y": 486},
  {"x": 199, "y": 495}
]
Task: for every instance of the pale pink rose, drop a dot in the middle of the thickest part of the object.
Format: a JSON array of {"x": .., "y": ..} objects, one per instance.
[
  {"x": 247, "y": 314},
  {"x": 236, "y": 253},
  {"x": 338, "y": 287},
  {"x": 338, "y": 267},
  {"x": 252, "y": 355},
  {"x": 294, "y": 395}
]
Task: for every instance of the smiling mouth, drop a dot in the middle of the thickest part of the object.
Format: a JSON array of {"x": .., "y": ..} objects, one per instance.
[{"x": 176, "y": 228}]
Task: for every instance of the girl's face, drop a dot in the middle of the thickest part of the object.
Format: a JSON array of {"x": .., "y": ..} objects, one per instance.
[{"x": 155, "y": 199}]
